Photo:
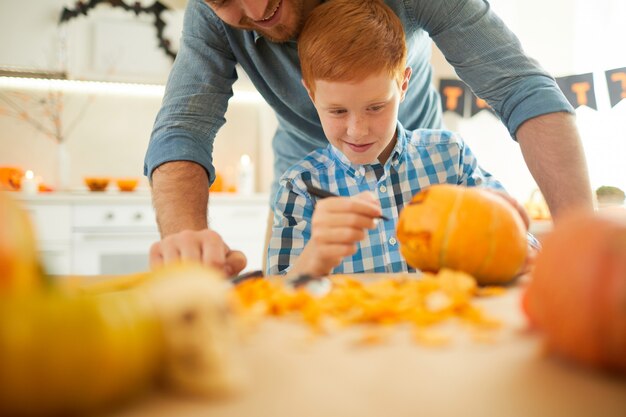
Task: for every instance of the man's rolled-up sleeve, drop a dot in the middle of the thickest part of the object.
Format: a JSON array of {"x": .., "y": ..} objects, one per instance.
[{"x": 196, "y": 96}]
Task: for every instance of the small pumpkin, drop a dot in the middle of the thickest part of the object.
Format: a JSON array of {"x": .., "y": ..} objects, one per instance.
[
  {"x": 577, "y": 293},
  {"x": 464, "y": 228},
  {"x": 10, "y": 178},
  {"x": 20, "y": 272}
]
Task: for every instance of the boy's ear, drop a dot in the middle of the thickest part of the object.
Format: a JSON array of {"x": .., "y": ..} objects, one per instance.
[
  {"x": 307, "y": 89},
  {"x": 405, "y": 81}
]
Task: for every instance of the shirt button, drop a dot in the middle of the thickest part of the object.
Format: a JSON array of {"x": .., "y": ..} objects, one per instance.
[
  {"x": 392, "y": 241},
  {"x": 357, "y": 173},
  {"x": 383, "y": 189}
]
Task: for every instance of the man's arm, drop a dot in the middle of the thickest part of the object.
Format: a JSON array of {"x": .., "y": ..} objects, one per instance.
[
  {"x": 553, "y": 152},
  {"x": 180, "y": 197},
  {"x": 490, "y": 58},
  {"x": 180, "y": 193}
]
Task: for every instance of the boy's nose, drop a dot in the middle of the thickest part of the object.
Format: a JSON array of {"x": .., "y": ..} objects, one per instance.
[
  {"x": 254, "y": 9},
  {"x": 357, "y": 126}
]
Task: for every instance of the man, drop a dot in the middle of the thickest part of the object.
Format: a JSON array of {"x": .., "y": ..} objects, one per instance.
[{"x": 260, "y": 36}]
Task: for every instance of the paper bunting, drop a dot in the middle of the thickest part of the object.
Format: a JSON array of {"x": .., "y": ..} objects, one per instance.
[
  {"x": 579, "y": 90},
  {"x": 452, "y": 94},
  {"x": 478, "y": 105},
  {"x": 616, "y": 82}
]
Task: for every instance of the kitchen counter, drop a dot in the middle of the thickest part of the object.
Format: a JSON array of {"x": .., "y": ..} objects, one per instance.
[
  {"x": 292, "y": 374},
  {"x": 110, "y": 232},
  {"x": 113, "y": 196}
]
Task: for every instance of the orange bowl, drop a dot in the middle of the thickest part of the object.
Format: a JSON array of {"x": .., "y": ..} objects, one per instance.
[
  {"x": 96, "y": 183},
  {"x": 127, "y": 184}
]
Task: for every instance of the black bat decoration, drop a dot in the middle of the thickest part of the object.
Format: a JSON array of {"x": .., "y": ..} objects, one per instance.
[{"x": 83, "y": 7}]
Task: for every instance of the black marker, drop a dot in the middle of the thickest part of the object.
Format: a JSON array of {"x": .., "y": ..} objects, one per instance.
[{"x": 319, "y": 193}]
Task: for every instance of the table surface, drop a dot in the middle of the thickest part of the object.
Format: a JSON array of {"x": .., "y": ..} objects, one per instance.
[{"x": 290, "y": 373}]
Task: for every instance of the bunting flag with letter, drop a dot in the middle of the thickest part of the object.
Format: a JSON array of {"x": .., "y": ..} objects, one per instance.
[
  {"x": 616, "y": 82},
  {"x": 579, "y": 90},
  {"x": 452, "y": 94},
  {"x": 478, "y": 105}
]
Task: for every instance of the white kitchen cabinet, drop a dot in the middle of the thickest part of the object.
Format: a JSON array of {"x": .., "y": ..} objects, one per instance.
[
  {"x": 242, "y": 224},
  {"x": 111, "y": 233}
]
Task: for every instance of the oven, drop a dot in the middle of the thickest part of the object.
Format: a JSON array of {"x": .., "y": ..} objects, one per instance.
[{"x": 112, "y": 239}]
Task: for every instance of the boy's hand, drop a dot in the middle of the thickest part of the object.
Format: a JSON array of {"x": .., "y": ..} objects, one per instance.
[{"x": 338, "y": 224}]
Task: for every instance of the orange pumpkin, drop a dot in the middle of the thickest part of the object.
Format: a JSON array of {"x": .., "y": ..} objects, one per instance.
[
  {"x": 577, "y": 295},
  {"x": 10, "y": 178},
  {"x": 19, "y": 267},
  {"x": 464, "y": 228}
]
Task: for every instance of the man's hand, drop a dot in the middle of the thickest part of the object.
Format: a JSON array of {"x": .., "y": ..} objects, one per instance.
[
  {"x": 338, "y": 224},
  {"x": 205, "y": 246},
  {"x": 180, "y": 193}
]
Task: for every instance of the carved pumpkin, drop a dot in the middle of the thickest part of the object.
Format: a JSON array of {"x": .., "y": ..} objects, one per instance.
[
  {"x": 19, "y": 267},
  {"x": 577, "y": 295},
  {"x": 464, "y": 228}
]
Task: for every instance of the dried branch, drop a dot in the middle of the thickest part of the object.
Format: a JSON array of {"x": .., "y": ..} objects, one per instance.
[
  {"x": 51, "y": 109},
  {"x": 22, "y": 114}
]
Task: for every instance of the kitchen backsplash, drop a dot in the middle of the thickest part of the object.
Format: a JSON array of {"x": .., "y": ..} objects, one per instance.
[{"x": 108, "y": 136}]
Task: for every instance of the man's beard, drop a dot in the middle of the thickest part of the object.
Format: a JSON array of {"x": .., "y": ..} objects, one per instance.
[{"x": 281, "y": 32}]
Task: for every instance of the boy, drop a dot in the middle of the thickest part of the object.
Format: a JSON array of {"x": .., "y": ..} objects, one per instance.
[{"x": 356, "y": 76}]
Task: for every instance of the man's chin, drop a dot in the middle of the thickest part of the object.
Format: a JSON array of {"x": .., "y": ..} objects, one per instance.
[{"x": 278, "y": 34}]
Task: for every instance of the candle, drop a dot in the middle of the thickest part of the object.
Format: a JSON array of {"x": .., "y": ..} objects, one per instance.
[
  {"x": 29, "y": 183},
  {"x": 245, "y": 175}
]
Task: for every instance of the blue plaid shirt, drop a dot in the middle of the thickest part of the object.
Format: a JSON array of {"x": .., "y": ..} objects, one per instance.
[{"x": 420, "y": 158}]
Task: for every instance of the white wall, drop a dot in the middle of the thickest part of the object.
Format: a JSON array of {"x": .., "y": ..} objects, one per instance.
[
  {"x": 568, "y": 37},
  {"x": 112, "y": 132},
  {"x": 111, "y": 137}
]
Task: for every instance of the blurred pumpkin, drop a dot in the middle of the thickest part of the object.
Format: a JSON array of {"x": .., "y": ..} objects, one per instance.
[
  {"x": 19, "y": 267},
  {"x": 577, "y": 294},
  {"x": 464, "y": 228}
]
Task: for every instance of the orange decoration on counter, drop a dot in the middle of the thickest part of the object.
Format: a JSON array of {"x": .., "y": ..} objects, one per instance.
[
  {"x": 97, "y": 183},
  {"x": 463, "y": 228},
  {"x": 218, "y": 183},
  {"x": 10, "y": 178},
  {"x": 127, "y": 184}
]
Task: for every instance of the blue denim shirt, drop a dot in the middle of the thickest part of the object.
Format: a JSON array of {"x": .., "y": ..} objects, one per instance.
[{"x": 485, "y": 54}]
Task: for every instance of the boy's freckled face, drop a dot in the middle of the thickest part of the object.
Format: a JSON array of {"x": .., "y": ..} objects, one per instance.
[{"x": 360, "y": 118}]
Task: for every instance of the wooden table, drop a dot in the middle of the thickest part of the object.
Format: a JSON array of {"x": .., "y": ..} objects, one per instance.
[{"x": 292, "y": 375}]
